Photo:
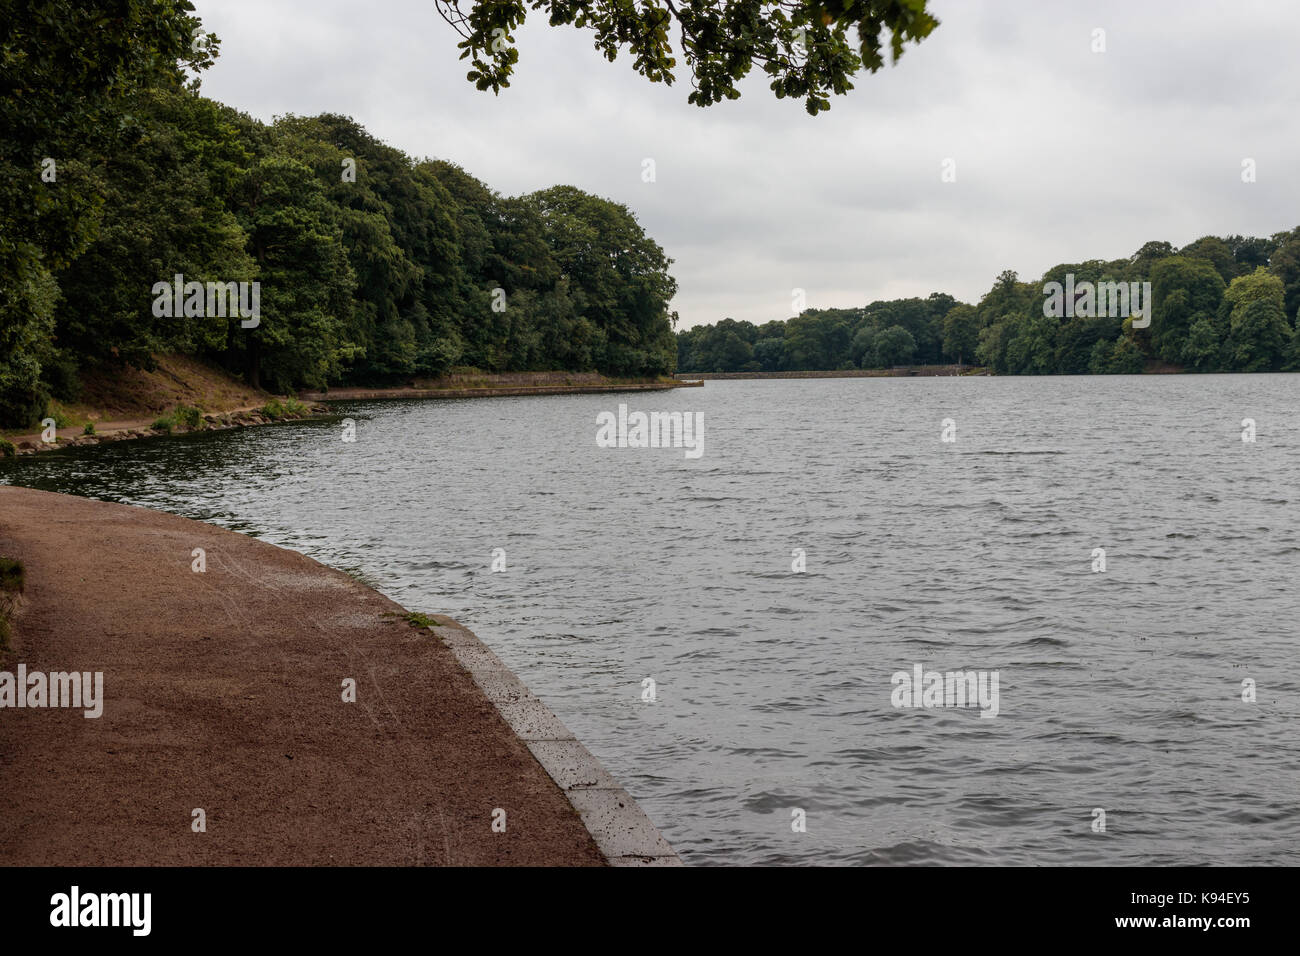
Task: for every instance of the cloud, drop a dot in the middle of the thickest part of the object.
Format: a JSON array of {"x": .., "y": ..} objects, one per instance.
[{"x": 1061, "y": 154}]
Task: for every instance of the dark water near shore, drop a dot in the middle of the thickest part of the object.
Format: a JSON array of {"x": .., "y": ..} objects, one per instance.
[{"x": 1119, "y": 690}]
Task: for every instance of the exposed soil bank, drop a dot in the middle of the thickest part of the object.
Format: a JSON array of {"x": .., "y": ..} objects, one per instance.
[
  {"x": 127, "y": 403},
  {"x": 223, "y": 691},
  {"x": 127, "y": 394},
  {"x": 127, "y": 430}
]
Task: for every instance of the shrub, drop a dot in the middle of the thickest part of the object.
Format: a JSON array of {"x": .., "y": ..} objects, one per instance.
[
  {"x": 56, "y": 411},
  {"x": 7, "y": 449},
  {"x": 89, "y": 429},
  {"x": 60, "y": 373},
  {"x": 273, "y": 410},
  {"x": 12, "y": 575},
  {"x": 188, "y": 416},
  {"x": 164, "y": 424}
]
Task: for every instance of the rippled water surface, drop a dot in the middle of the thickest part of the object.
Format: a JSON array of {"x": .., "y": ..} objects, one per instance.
[{"x": 1119, "y": 690}]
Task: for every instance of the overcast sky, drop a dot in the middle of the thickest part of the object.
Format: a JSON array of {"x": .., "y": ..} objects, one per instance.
[{"x": 1061, "y": 154}]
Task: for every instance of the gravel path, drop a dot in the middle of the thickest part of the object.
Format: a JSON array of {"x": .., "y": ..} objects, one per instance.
[{"x": 223, "y": 691}]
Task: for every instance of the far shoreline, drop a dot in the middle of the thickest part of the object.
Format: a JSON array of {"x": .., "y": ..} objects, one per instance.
[
  {"x": 491, "y": 390},
  {"x": 927, "y": 371},
  {"x": 909, "y": 371}
]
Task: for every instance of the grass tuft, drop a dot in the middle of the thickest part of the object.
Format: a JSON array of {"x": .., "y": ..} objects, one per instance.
[{"x": 414, "y": 618}]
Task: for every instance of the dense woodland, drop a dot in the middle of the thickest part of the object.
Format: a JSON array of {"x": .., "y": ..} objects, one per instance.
[
  {"x": 373, "y": 267},
  {"x": 1220, "y": 305}
]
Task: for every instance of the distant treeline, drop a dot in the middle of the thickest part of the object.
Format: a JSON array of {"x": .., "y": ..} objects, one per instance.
[
  {"x": 115, "y": 175},
  {"x": 1219, "y": 305}
]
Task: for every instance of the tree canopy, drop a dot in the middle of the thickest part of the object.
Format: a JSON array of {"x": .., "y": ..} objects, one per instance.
[
  {"x": 373, "y": 266},
  {"x": 66, "y": 69},
  {"x": 808, "y": 48},
  {"x": 1220, "y": 304}
]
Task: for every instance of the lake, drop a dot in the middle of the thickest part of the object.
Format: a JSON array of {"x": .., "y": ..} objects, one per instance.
[{"x": 1119, "y": 691}]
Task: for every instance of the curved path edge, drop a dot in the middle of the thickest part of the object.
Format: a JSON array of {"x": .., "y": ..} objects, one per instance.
[{"x": 622, "y": 830}]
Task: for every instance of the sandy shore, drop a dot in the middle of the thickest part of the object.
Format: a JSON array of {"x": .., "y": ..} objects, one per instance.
[{"x": 223, "y": 692}]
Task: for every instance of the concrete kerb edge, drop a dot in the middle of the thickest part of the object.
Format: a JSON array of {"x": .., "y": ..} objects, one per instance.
[{"x": 621, "y": 829}]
